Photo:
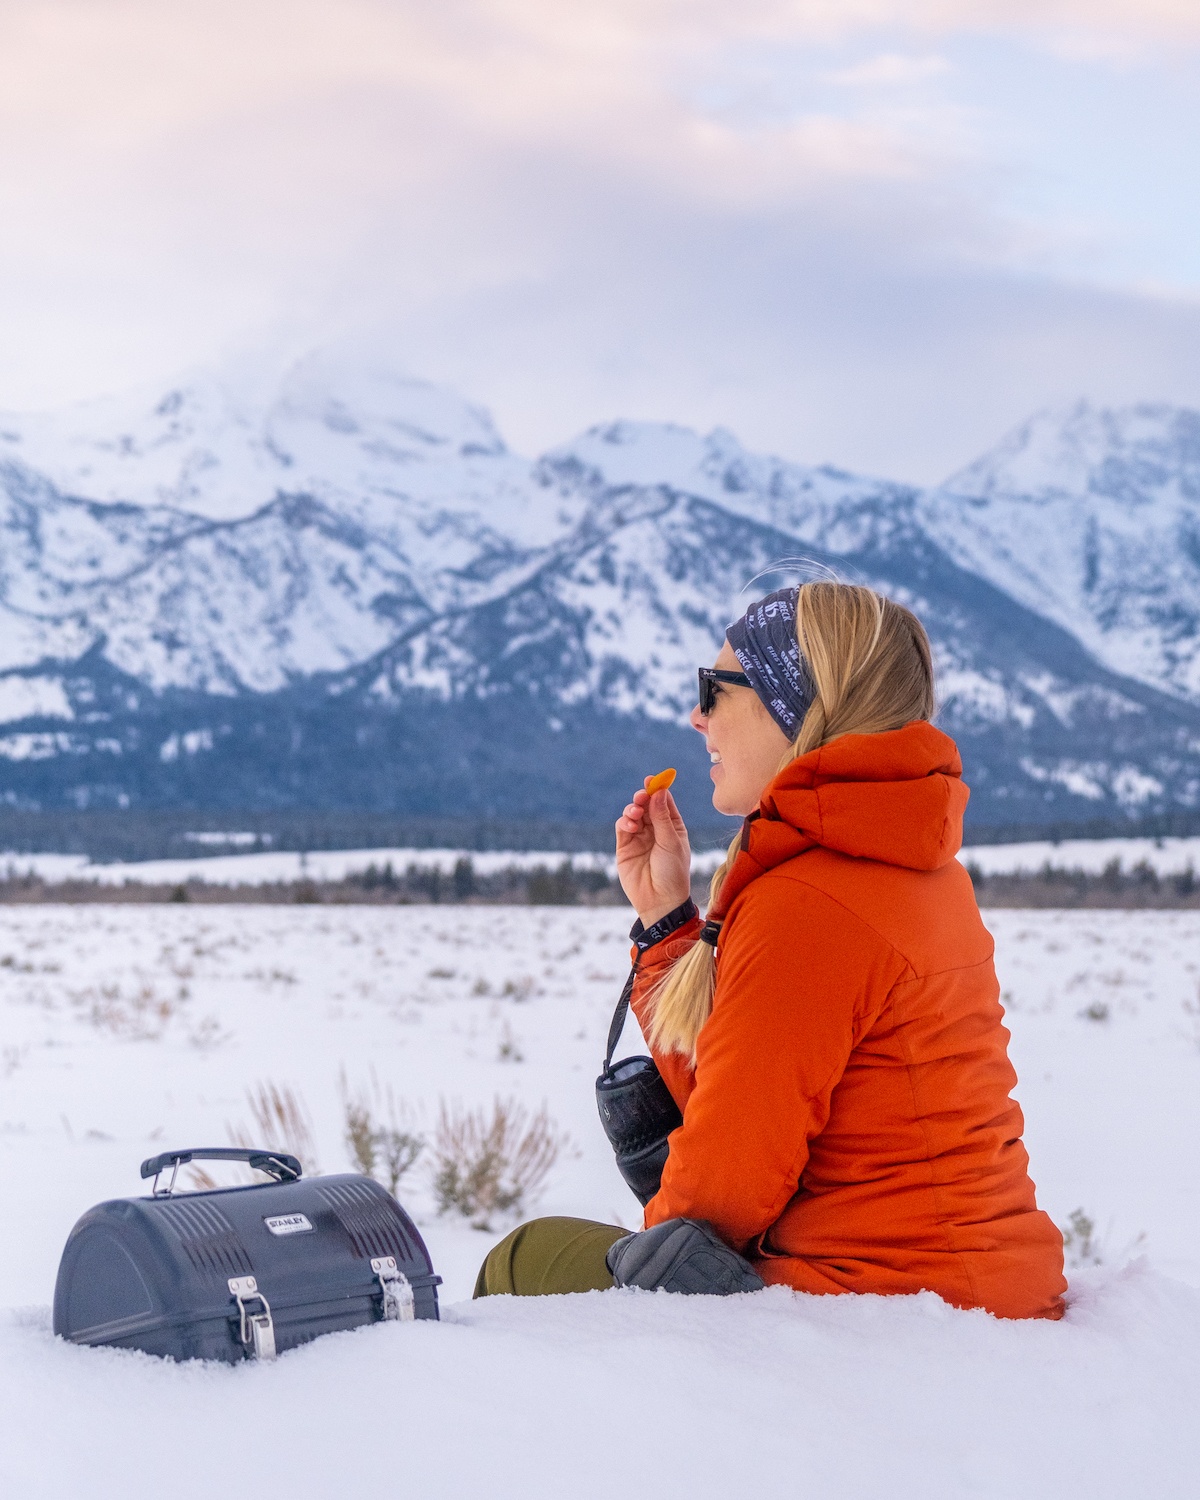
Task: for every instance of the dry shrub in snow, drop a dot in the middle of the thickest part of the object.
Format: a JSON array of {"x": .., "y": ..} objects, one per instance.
[
  {"x": 510, "y": 1047},
  {"x": 380, "y": 1134},
  {"x": 491, "y": 1162},
  {"x": 139, "y": 1015},
  {"x": 1084, "y": 1245},
  {"x": 280, "y": 1122},
  {"x": 1079, "y": 1241}
]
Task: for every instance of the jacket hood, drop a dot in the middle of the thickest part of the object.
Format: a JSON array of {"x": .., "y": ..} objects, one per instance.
[{"x": 897, "y": 798}]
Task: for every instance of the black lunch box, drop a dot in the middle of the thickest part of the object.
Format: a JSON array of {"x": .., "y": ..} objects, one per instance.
[{"x": 242, "y": 1272}]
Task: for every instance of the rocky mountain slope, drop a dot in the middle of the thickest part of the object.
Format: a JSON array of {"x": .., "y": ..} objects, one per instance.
[
  {"x": 349, "y": 593},
  {"x": 1092, "y": 518}
]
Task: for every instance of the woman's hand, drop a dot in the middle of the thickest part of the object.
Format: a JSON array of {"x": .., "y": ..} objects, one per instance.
[{"x": 654, "y": 858}]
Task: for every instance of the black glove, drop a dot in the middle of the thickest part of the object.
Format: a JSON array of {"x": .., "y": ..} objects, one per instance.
[{"x": 682, "y": 1255}]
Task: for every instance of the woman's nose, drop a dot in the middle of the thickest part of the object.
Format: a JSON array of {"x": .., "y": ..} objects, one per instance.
[{"x": 697, "y": 720}]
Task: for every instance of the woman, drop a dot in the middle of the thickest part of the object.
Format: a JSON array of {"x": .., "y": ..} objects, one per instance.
[{"x": 832, "y": 1033}]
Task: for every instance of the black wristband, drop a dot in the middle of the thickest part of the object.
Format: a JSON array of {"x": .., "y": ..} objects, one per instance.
[{"x": 646, "y": 937}]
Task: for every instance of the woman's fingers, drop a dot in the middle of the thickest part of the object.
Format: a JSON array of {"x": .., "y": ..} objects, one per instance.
[
  {"x": 655, "y": 815},
  {"x": 653, "y": 857},
  {"x": 632, "y": 820},
  {"x": 672, "y": 811},
  {"x": 666, "y": 816}
]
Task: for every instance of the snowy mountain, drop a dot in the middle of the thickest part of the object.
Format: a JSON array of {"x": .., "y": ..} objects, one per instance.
[
  {"x": 1092, "y": 518},
  {"x": 222, "y": 550},
  {"x": 347, "y": 592}
]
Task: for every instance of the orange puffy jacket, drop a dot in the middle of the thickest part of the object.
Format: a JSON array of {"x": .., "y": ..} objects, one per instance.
[{"x": 847, "y": 1124}]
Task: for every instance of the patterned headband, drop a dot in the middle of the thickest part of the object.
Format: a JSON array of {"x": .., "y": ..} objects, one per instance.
[{"x": 764, "y": 642}]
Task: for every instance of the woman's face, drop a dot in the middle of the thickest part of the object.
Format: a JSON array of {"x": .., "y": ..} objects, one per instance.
[{"x": 743, "y": 741}]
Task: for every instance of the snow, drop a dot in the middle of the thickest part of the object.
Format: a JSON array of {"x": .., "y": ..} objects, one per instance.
[
  {"x": 1130, "y": 788},
  {"x": 1166, "y": 856},
  {"x": 778, "y": 1396},
  {"x": 24, "y": 697},
  {"x": 33, "y": 746},
  {"x": 347, "y": 418},
  {"x": 1086, "y": 515},
  {"x": 129, "y": 1029},
  {"x": 189, "y": 447},
  {"x": 816, "y": 505},
  {"x": 327, "y": 864},
  {"x": 242, "y": 528}
]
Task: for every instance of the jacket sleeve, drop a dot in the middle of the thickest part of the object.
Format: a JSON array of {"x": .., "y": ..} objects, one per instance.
[
  {"x": 652, "y": 968},
  {"x": 799, "y": 981}
]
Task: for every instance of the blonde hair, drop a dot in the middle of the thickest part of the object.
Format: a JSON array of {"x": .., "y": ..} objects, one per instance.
[{"x": 870, "y": 662}]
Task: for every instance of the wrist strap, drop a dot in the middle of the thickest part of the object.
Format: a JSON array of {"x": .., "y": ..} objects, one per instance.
[{"x": 646, "y": 937}]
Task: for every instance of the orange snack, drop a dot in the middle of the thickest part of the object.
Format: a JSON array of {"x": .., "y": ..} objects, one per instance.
[{"x": 660, "y": 782}]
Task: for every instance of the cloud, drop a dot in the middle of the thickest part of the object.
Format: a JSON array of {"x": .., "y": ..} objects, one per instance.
[
  {"x": 1138, "y": 22},
  {"x": 638, "y": 207},
  {"x": 890, "y": 70},
  {"x": 834, "y": 334}
]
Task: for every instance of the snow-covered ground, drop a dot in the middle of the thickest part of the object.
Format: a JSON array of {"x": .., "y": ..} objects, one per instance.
[
  {"x": 127, "y": 1029},
  {"x": 281, "y": 865},
  {"x": 1168, "y": 856}
]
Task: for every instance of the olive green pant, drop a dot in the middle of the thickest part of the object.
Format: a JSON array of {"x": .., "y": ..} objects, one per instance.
[{"x": 547, "y": 1257}]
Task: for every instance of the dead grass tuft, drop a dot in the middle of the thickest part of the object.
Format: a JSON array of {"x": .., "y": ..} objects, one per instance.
[
  {"x": 490, "y": 1163},
  {"x": 139, "y": 1015},
  {"x": 280, "y": 1121},
  {"x": 381, "y": 1134}
]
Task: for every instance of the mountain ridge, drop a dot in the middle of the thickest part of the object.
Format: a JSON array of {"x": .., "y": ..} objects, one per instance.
[{"x": 416, "y": 586}]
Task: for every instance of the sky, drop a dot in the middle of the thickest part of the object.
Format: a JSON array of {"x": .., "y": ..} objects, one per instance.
[{"x": 874, "y": 233}]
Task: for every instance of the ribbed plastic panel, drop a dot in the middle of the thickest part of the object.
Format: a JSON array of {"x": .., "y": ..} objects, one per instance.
[
  {"x": 210, "y": 1241},
  {"x": 373, "y": 1229}
]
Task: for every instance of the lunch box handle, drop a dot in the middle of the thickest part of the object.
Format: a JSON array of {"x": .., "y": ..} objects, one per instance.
[{"x": 276, "y": 1164}]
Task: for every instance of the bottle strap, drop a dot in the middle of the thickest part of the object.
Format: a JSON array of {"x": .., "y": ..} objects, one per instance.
[{"x": 618, "y": 1021}]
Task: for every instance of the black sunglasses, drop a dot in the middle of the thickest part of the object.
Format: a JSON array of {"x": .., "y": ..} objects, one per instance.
[{"x": 709, "y": 677}]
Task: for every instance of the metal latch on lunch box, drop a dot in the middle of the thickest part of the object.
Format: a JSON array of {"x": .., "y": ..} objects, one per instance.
[
  {"x": 397, "y": 1290},
  {"x": 257, "y": 1328}
]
